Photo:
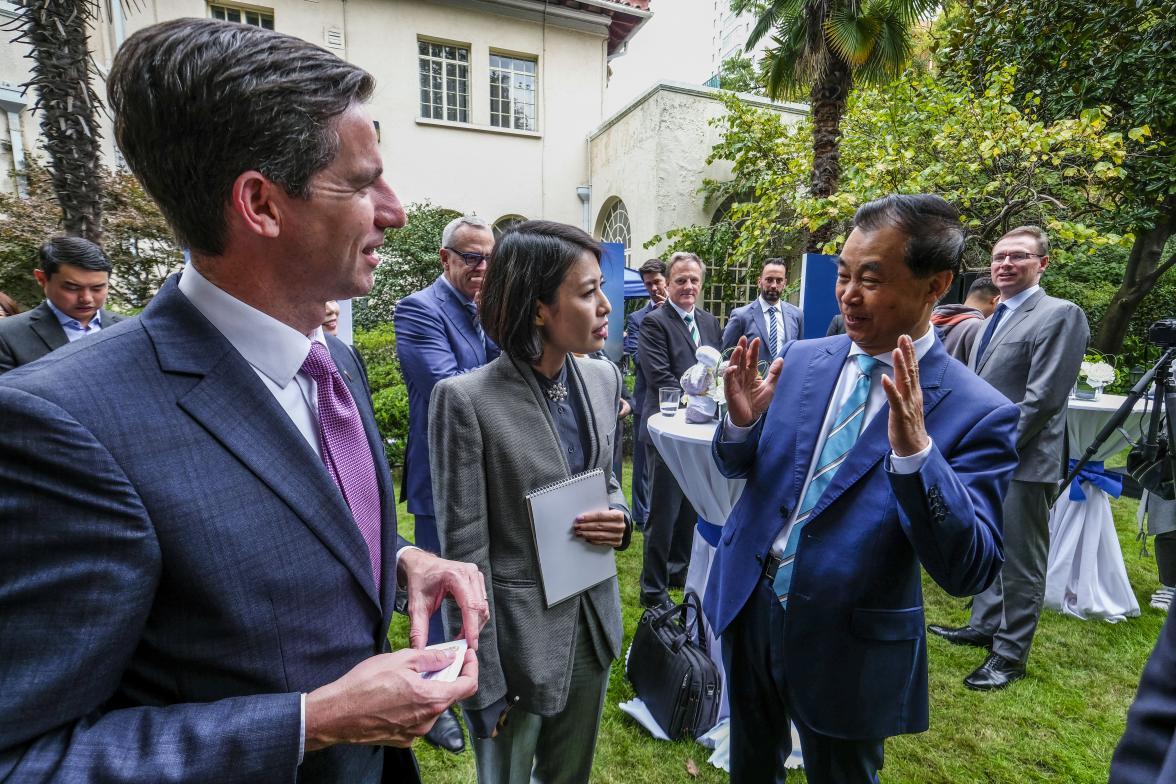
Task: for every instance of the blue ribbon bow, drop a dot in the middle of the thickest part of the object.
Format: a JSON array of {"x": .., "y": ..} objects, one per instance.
[{"x": 1109, "y": 482}]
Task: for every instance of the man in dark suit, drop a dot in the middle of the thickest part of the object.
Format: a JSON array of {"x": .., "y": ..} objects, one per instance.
[
  {"x": 438, "y": 336},
  {"x": 669, "y": 337},
  {"x": 653, "y": 275},
  {"x": 768, "y": 318},
  {"x": 869, "y": 457},
  {"x": 199, "y": 555},
  {"x": 1146, "y": 754},
  {"x": 1030, "y": 349},
  {"x": 74, "y": 274}
]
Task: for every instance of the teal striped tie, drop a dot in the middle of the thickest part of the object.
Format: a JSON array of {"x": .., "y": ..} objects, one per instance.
[
  {"x": 843, "y": 435},
  {"x": 689, "y": 319}
]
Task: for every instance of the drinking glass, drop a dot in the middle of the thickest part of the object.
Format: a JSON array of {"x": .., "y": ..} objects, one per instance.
[{"x": 669, "y": 398}]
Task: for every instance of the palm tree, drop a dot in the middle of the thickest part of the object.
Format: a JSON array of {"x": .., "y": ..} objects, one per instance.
[
  {"x": 825, "y": 46},
  {"x": 62, "y": 74}
]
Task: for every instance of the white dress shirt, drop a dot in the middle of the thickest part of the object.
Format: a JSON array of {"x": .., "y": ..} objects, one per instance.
[
  {"x": 779, "y": 318},
  {"x": 841, "y": 392}
]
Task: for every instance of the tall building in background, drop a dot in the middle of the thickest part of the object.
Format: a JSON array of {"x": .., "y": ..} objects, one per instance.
[{"x": 729, "y": 35}]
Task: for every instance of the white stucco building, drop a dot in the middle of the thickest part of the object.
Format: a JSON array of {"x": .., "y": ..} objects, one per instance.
[{"x": 483, "y": 105}]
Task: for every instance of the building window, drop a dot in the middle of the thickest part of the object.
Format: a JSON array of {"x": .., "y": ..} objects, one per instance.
[
  {"x": 227, "y": 13},
  {"x": 616, "y": 227},
  {"x": 445, "y": 81},
  {"x": 512, "y": 92}
]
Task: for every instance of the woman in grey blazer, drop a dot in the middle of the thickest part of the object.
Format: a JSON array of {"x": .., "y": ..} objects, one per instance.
[{"x": 536, "y": 415}]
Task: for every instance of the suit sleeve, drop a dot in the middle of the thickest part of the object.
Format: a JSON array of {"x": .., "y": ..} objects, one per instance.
[
  {"x": 1146, "y": 753},
  {"x": 616, "y": 496},
  {"x": 459, "y": 503},
  {"x": 799, "y": 324},
  {"x": 1057, "y": 356},
  {"x": 422, "y": 345},
  {"x": 951, "y": 508},
  {"x": 632, "y": 330},
  {"x": 733, "y": 331},
  {"x": 80, "y": 565}
]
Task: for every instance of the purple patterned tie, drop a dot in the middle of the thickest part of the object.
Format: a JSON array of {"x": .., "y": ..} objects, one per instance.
[{"x": 345, "y": 449}]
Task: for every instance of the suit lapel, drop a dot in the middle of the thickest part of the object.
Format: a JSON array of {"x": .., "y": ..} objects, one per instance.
[
  {"x": 459, "y": 317},
  {"x": 874, "y": 442},
  {"x": 43, "y": 322},
  {"x": 1013, "y": 321},
  {"x": 823, "y": 371},
  {"x": 761, "y": 325},
  {"x": 676, "y": 318},
  {"x": 233, "y": 405}
]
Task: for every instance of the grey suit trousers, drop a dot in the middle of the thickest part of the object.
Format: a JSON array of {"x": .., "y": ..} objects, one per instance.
[
  {"x": 1009, "y": 609},
  {"x": 551, "y": 749}
]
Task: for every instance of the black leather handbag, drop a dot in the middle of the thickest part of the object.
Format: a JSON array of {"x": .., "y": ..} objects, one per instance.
[{"x": 672, "y": 672}]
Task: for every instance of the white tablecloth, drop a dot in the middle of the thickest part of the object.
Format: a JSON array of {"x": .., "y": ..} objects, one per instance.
[
  {"x": 1086, "y": 577},
  {"x": 686, "y": 448}
]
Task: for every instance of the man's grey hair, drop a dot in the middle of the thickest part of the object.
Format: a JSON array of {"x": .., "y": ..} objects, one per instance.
[
  {"x": 455, "y": 224},
  {"x": 681, "y": 257}
]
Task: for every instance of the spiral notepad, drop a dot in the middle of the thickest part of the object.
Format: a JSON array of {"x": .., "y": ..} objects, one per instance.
[{"x": 567, "y": 564}]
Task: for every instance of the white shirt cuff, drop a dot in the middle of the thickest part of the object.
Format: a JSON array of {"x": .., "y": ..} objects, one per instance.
[
  {"x": 302, "y": 731},
  {"x": 734, "y": 434},
  {"x": 911, "y": 464}
]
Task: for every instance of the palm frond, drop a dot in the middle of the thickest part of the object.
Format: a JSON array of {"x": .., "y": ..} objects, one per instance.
[
  {"x": 891, "y": 52},
  {"x": 851, "y": 36}
]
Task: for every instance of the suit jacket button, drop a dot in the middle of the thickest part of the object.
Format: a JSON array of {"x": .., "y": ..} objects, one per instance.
[
  {"x": 759, "y": 558},
  {"x": 784, "y": 512}
]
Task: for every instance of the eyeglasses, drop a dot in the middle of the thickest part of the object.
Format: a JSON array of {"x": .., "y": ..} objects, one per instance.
[
  {"x": 1016, "y": 258},
  {"x": 471, "y": 259}
]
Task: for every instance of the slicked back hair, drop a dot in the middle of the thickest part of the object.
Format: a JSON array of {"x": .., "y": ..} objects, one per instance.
[
  {"x": 199, "y": 101},
  {"x": 72, "y": 250},
  {"x": 1036, "y": 232},
  {"x": 528, "y": 265},
  {"x": 935, "y": 236}
]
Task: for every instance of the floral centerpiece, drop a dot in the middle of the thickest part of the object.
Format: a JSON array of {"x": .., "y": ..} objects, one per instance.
[{"x": 1094, "y": 374}]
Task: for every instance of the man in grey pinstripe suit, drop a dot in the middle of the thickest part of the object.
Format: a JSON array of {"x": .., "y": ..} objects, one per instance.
[{"x": 1030, "y": 349}]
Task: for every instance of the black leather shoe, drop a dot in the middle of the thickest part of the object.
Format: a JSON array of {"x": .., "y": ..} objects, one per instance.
[
  {"x": 964, "y": 635},
  {"x": 995, "y": 673},
  {"x": 446, "y": 733}
]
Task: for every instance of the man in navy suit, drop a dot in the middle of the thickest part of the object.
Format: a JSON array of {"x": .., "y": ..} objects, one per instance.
[
  {"x": 653, "y": 275},
  {"x": 1146, "y": 754},
  {"x": 867, "y": 457},
  {"x": 768, "y": 318},
  {"x": 438, "y": 336},
  {"x": 198, "y": 556}
]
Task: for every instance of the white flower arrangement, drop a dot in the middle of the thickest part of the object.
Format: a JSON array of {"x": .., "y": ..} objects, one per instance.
[{"x": 1097, "y": 374}]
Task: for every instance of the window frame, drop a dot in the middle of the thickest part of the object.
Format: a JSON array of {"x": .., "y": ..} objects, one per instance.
[
  {"x": 461, "y": 113},
  {"x": 242, "y": 9}
]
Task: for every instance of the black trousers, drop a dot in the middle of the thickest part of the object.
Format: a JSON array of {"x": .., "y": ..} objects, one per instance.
[
  {"x": 761, "y": 705},
  {"x": 669, "y": 531}
]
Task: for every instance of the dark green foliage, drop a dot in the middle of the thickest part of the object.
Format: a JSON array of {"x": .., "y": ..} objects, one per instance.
[
  {"x": 738, "y": 74},
  {"x": 411, "y": 260},
  {"x": 389, "y": 394}
]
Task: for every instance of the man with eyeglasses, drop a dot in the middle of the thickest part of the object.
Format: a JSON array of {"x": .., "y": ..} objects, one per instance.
[
  {"x": 437, "y": 336},
  {"x": 1030, "y": 349}
]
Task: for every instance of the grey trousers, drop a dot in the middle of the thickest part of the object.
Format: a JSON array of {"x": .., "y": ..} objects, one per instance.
[
  {"x": 550, "y": 749},
  {"x": 1009, "y": 609}
]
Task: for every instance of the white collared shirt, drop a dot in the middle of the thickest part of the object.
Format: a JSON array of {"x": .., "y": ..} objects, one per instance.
[
  {"x": 274, "y": 350},
  {"x": 682, "y": 313},
  {"x": 778, "y": 316},
  {"x": 1012, "y": 303}
]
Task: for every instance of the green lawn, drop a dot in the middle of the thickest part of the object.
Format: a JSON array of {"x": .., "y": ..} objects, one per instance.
[{"x": 1060, "y": 724}]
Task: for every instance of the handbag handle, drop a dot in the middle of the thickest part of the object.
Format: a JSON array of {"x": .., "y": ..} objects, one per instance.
[{"x": 690, "y": 601}]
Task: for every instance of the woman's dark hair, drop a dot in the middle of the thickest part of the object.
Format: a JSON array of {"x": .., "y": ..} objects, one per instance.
[
  {"x": 527, "y": 266},
  {"x": 935, "y": 236}
]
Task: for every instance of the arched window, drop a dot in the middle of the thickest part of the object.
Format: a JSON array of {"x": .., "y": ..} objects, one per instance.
[
  {"x": 615, "y": 227},
  {"x": 505, "y": 222}
]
